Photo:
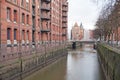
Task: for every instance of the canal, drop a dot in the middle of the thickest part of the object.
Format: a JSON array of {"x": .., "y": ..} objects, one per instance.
[{"x": 80, "y": 64}]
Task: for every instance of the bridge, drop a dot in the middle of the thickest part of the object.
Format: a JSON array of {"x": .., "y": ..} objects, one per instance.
[
  {"x": 76, "y": 43},
  {"x": 82, "y": 41}
]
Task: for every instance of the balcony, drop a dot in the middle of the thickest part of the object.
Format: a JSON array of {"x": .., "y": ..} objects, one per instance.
[
  {"x": 64, "y": 26},
  {"x": 64, "y": 20},
  {"x": 45, "y": 17},
  {"x": 64, "y": 34},
  {"x": 47, "y": 1},
  {"x": 45, "y": 30},
  {"x": 65, "y": 9},
  {"x": 45, "y": 8},
  {"x": 33, "y": 2},
  {"x": 65, "y": 4},
  {"x": 33, "y": 11},
  {"x": 64, "y": 15},
  {"x": 33, "y": 28}
]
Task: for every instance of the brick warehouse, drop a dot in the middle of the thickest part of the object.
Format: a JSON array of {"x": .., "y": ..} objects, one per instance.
[{"x": 28, "y": 28}]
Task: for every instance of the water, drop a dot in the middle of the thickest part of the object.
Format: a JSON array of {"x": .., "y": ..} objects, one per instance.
[{"x": 81, "y": 64}]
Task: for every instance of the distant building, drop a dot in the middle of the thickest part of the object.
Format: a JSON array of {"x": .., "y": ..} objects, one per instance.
[
  {"x": 116, "y": 35},
  {"x": 91, "y": 34},
  {"x": 77, "y": 32}
]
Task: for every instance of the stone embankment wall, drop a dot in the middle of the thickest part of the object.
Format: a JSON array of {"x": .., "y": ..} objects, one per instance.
[
  {"x": 26, "y": 65},
  {"x": 109, "y": 58}
]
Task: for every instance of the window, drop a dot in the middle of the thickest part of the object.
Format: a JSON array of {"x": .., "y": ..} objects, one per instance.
[
  {"x": 47, "y": 24},
  {"x": 15, "y": 1},
  {"x": 22, "y": 2},
  {"x": 33, "y": 1},
  {"x": 39, "y": 35},
  {"x": 33, "y": 21},
  {"x": 27, "y": 19},
  {"x": 23, "y": 18},
  {"x": 8, "y": 14},
  {"x": 23, "y": 35},
  {"x": 8, "y": 34},
  {"x": 27, "y": 4},
  {"x": 38, "y": 22},
  {"x": 15, "y": 15},
  {"x": 38, "y": 11},
  {"x": 15, "y": 34},
  {"x": 27, "y": 1},
  {"x": 27, "y": 36}
]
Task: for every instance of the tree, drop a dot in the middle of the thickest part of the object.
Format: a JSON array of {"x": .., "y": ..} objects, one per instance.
[{"x": 108, "y": 21}]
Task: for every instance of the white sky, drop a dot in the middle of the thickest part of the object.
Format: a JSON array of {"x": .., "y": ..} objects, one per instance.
[{"x": 85, "y": 11}]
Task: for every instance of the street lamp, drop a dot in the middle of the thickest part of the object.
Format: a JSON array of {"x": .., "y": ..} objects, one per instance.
[
  {"x": 20, "y": 59},
  {"x": 45, "y": 52},
  {"x": 0, "y": 27},
  {"x": 20, "y": 46}
]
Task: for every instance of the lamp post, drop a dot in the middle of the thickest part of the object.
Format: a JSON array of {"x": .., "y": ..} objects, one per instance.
[
  {"x": 20, "y": 59},
  {"x": 117, "y": 17},
  {"x": 0, "y": 27},
  {"x": 20, "y": 45},
  {"x": 45, "y": 52},
  {"x": 118, "y": 22}
]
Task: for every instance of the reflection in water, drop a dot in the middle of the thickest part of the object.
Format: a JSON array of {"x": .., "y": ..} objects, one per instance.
[{"x": 81, "y": 64}]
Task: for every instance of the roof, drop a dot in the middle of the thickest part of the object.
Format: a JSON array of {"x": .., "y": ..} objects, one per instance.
[
  {"x": 81, "y": 26},
  {"x": 75, "y": 25}
]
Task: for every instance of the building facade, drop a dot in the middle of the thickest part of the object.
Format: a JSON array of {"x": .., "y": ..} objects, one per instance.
[
  {"x": 77, "y": 32},
  {"x": 59, "y": 15},
  {"x": 45, "y": 20},
  {"x": 64, "y": 20},
  {"x": 26, "y": 26},
  {"x": 31, "y": 22},
  {"x": 16, "y": 27},
  {"x": 116, "y": 35}
]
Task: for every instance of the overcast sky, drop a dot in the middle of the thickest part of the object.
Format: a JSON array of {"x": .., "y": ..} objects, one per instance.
[{"x": 82, "y": 11}]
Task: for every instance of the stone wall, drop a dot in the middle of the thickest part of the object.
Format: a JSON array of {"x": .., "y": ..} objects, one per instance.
[
  {"x": 109, "y": 58},
  {"x": 24, "y": 66}
]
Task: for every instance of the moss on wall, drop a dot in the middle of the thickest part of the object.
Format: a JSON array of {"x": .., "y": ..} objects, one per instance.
[{"x": 110, "y": 58}]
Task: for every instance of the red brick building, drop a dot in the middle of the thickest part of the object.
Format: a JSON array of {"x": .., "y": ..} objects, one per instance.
[
  {"x": 16, "y": 27},
  {"x": 59, "y": 9},
  {"x": 56, "y": 20},
  {"x": 77, "y": 32},
  {"x": 45, "y": 20},
  {"x": 116, "y": 35},
  {"x": 26, "y": 24},
  {"x": 64, "y": 19}
]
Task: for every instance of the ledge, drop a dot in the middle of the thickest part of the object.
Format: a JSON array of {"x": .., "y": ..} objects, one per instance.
[{"x": 110, "y": 48}]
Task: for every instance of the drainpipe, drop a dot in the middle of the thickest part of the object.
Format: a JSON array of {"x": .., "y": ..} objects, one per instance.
[
  {"x": 40, "y": 22},
  {"x": 0, "y": 25},
  {"x": 20, "y": 45},
  {"x": 0, "y": 34}
]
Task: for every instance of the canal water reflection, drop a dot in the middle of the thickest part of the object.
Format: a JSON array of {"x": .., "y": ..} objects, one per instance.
[{"x": 81, "y": 64}]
